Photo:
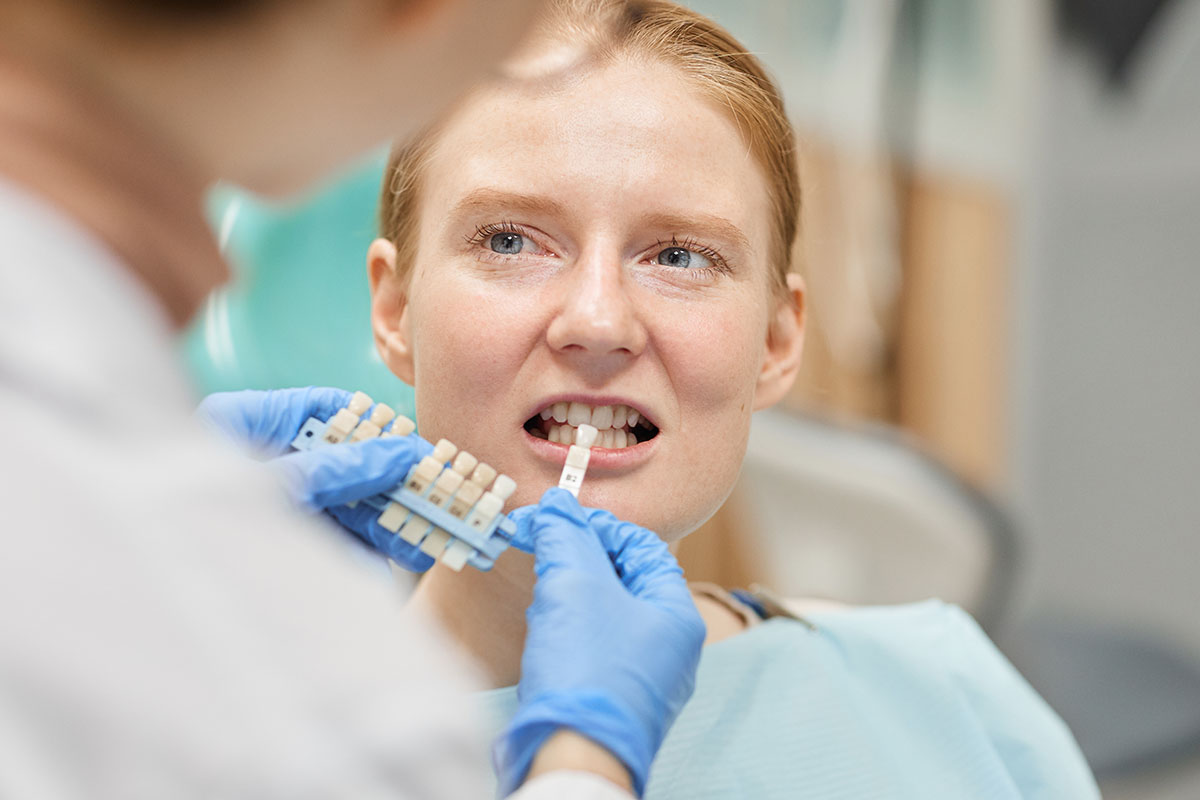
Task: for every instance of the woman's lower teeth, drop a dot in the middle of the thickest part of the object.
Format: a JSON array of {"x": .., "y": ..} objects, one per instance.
[{"x": 610, "y": 438}]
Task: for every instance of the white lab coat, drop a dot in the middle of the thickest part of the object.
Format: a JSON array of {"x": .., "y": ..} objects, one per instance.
[{"x": 168, "y": 628}]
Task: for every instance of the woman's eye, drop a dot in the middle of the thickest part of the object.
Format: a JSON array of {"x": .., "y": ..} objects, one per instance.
[
  {"x": 508, "y": 244},
  {"x": 683, "y": 258}
]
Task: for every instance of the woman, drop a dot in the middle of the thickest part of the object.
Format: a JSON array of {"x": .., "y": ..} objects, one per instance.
[{"x": 611, "y": 245}]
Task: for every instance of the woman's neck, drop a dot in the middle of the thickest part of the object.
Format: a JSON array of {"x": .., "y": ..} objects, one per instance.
[{"x": 485, "y": 612}]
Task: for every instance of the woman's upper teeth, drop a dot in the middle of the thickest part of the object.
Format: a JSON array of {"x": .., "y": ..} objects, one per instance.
[{"x": 599, "y": 417}]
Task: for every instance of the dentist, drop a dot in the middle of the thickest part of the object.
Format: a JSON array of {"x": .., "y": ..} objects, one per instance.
[{"x": 170, "y": 625}]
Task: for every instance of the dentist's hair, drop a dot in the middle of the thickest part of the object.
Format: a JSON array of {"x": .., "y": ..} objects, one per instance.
[{"x": 709, "y": 56}]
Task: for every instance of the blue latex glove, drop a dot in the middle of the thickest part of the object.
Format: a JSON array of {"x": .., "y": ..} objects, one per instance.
[
  {"x": 322, "y": 480},
  {"x": 613, "y": 642}
]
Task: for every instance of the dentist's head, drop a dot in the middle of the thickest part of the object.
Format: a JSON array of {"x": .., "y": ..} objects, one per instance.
[{"x": 271, "y": 94}]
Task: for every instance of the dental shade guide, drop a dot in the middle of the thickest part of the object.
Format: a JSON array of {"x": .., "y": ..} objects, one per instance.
[
  {"x": 577, "y": 460},
  {"x": 448, "y": 512}
]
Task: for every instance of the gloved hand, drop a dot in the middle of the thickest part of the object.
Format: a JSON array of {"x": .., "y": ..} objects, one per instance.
[
  {"x": 325, "y": 479},
  {"x": 613, "y": 639}
]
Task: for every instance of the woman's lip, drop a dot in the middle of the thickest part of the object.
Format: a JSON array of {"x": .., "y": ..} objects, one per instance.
[{"x": 601, "y": 458}]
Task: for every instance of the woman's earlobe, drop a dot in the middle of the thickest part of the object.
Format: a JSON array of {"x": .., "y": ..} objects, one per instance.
[
  {"x": 389, "y": 310},
  {"x": 785, "y": 346}
]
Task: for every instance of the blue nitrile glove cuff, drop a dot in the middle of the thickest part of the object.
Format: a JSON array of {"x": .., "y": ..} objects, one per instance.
[{"x": 592, "y": 715}]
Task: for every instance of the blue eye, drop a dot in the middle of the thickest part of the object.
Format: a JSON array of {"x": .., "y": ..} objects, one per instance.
[
  {"x": 682, "y": 258},
  {"x": 508, "y": 244}
]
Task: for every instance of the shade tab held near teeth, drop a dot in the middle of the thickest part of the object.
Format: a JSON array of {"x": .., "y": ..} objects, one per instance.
[
  {"x": 586, "y": 436},
  {"x": 577, "y": 460}
]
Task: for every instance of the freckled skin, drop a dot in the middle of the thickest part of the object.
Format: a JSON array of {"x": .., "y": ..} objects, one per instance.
[{"x": 589, "y": 309}]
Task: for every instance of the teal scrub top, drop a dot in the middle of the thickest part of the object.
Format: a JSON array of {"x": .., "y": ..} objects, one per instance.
[{"x": 910, "y": 701}]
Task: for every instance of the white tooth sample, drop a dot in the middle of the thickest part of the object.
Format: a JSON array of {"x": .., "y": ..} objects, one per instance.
[
  {"x": 619, "y": 416},
  {"x": 619, "y": 439},
  {"x": 547, "y": 412},
  {"x": 633, "y": 418},
  {"x": 559, "y": 412},
  {"x": 585, "y": 436},
  {"x": 578, "y": 414},
  {"x": 602, "y": 417}
]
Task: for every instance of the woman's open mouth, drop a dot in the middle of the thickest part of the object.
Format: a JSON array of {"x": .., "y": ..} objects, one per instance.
[{"x": 619, "y": 426}]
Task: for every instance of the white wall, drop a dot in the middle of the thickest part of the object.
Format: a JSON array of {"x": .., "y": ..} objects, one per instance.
[
  {"x": 1107, "y": 467},
  {"x": 1106, "y": 451}
]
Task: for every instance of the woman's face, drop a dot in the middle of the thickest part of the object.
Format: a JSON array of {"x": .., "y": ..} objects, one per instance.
[{"x": 598, "y": 248}]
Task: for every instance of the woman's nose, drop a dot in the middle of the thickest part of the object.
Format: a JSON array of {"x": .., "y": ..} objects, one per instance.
[{"x": 596, "y": 316}]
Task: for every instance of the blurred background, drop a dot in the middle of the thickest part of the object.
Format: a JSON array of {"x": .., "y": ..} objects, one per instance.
[{"x": 1001, "y": 240}]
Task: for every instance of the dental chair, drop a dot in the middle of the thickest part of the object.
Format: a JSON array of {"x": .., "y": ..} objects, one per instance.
[
  {"x": 860, "y": 515},
  {"x": 298, "y": 310}
]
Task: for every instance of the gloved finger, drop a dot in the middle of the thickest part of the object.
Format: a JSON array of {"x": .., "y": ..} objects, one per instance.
[
  {"x": 267, "y": 421},
  {"x": 646, "y": 566},
  {"x": 563, "y": 533},
  {"x": 329, "y": 476},
  {"x": 562, "y": 536},
  {"x": 522, "y": 539}
]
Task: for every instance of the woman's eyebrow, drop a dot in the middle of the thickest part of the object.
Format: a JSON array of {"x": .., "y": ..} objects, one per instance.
[
  {"x": 709, "y": 224},
  {"x": 487, "y": 199}
]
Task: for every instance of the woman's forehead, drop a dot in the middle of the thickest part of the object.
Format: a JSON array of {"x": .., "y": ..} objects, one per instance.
[{"x": 624, "y": 133}]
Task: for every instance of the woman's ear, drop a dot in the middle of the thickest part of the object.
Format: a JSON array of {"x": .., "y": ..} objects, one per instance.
[
  {"x": 389, "y": 310},
  {"x": 785, "y": 345}
]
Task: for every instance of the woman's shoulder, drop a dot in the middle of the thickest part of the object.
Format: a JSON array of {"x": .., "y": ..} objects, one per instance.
[
  {"x": 928, "y": 667},
  {"x": 931, "y": 637},
  {"x": 930, "y": 645}
]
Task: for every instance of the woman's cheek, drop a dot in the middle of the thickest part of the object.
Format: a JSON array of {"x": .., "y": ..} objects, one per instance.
[{"x": 715, "y": 357}]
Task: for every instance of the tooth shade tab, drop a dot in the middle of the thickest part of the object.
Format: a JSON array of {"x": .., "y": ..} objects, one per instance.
[
  {"x": 586, "y": 436},
  {"x": 444, "y": 450},
  {"x": 504, "y": 487},
  {"x": 464, "y": 463},
  {"x": 483, "y": 475},
  {"x": 577, "y": 460},
  {"x": 382, "y": 415},
  {"x": 402, "y": 426},
  {"x": 359, "y": 403}
]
